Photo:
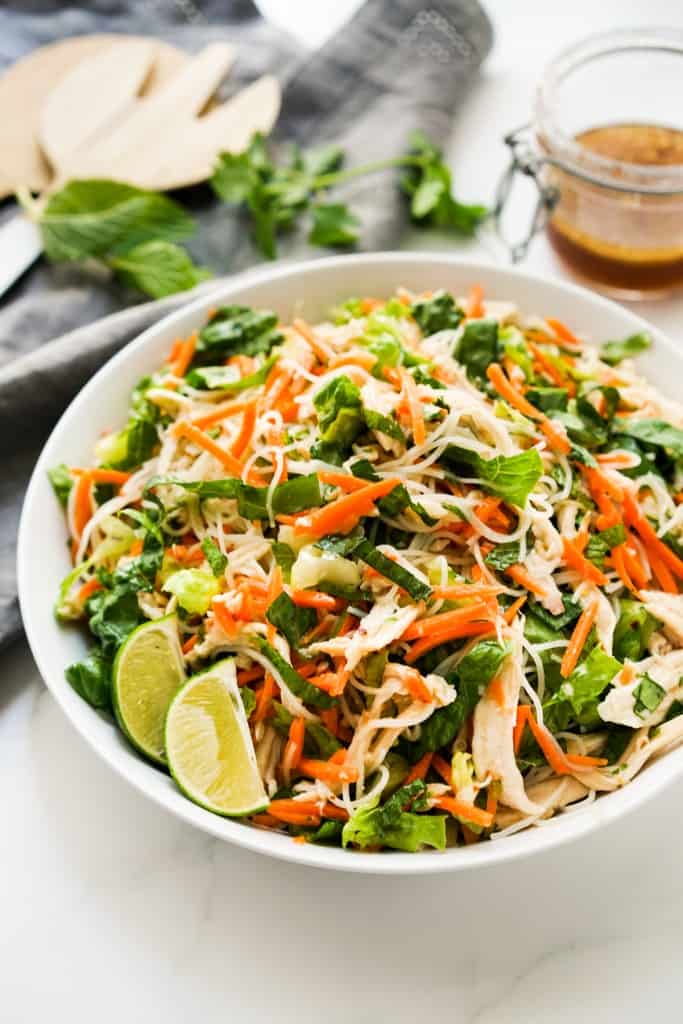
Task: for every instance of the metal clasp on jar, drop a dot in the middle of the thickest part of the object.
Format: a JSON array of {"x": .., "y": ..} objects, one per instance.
[{"x": 526, "y": 160}]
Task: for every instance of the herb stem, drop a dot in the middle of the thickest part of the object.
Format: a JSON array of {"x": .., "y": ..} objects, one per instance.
[{"x": 336, "y": 177}]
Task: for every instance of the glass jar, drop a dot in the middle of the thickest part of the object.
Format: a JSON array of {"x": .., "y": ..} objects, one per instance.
[{"x": 605, "y": 149}]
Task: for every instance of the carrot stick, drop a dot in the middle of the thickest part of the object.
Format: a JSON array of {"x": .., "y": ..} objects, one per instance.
[
  {"x": 456, "y": 632},
  {"x": 439, "y": 623},
  {"x": 558, "y": 440},
  {"x": 551, "y": 749},
  {"x": 294, "y": 747},
  {"x": 548, "y": 367},
  {"x": 417, "y": 688},
  {"x": 419, "y": 769},
  {"x": 295, "y": 812},
  {"x": 243, "y": 439},
  {"x": 662, "y": 573},
  {"x": 326, "y": 772},
  {"x": 496, "y": 691},
  {"x": 475, "y": 302},
  {"x": 202, "y": 440},
  {"x": 414, "y": 407},
  {"x": 576, "y": 560},
  {"x": 87, "y": 589},
  {"x": 365, "y": 360},
  {"x": 491, "y": 802},
  {"x": 333, "y": 683},
  {"x": 322, "y": 351},
  {"x": 186, "y": 555},
  {"x": 82, "y": 503},
  {"x": 342, "y": 480},
  {"x": 224, "y": 618},
  {"x": 578, "y": 638},
  {"x": 218, "y": 413},
  {"x": 249, "y": 675},
  {"x": 464, "y": 810},
  {"x": 568, "y": 339},
  {"x": 190, "y": 643},
  {"x": 521, "y": 575},
  {"x": 317, "y": 599},
  {"x": 584, "y": 761},
  {"x": 341, "y": 516},
  {"x": 618, "y": 562},
  {"x": 635, "y": 518},
  {"x": 104, "y": 476},
  {"x": 264, "y": 699},
  {"x": 510, "y": 613},
  {"x": 634, "y": 567},
  {"x": 184, "y": 355},
  {"x": 523, "y": 712},
  {"x": 136, "y": 547},
  {"x": 457, "y": 591}
]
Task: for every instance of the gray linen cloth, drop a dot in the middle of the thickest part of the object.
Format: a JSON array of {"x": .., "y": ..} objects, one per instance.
[{"x": 397, "y": 66}]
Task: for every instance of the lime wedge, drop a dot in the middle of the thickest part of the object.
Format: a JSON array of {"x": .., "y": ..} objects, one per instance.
[
  {"x": 209, "y": 747},
  {"x": 148, "y": 672}
]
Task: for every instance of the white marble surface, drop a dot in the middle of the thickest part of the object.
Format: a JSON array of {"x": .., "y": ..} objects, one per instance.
[{"x": 113, "y": 911}]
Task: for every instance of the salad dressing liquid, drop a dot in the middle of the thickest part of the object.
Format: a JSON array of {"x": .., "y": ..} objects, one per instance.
[{"x": 627, "y": 241}]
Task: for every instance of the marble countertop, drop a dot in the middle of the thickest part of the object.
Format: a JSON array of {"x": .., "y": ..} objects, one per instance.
[{"x": 114, "y": 911}]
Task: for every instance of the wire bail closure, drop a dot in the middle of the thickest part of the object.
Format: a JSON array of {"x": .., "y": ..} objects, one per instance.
[{"x": 524, "y": 160}]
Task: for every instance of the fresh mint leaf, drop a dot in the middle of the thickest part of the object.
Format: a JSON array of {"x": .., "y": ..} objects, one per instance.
[
  {"x": 572, "y": 610},
  {"x": 478, "y": 348},
  {"x": 214, "y": 556},
  {"x": 333, "y": 225},
  {"x": 98, "y": 218},
  {"x": 158, "y": 268},
  {"x": 647, "y": 696},
  {"x": 658, "y": 433},
  {"x": 438, "y": 313},
  {"x": 511, "y": 477},
  {"x": 503, "y": 556},
  {"x": 91, "y": 679},
  {"x": 237, "y": 329},
  {"x": 600, "y": 544},
  {"x": 614, "y": 352},
  {"x": 62, "y": 481},
  {"x": 429, "y": 184},
  {"x": 290, "y": 620}
]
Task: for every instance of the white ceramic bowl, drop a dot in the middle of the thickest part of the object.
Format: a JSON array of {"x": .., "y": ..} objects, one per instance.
[{"x": 307, "y": 289}]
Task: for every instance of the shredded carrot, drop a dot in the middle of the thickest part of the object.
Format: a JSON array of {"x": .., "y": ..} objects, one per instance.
[
  {"x": 568, "y": 339},
  {"x": 661, "y": 572},
  {"x": 579, "y": 563},
  {"x": 184, "y": 356},
  {"x": 326, "y": 771},
  {"x": 330, "y": 719},
  {"x": 265, "y": 820},
  {"x": 444, "y": 620},
  {"x": 104, "y": 476},
  {"x": 551, "y": 749},
  {"x": 224, "y": 617},
  {"x": 442, "y": 768},
  {"x": 322, "y": 351},
  {"x": 341, "y": 516},
  {"x": 333, "y": 683},
  {"x": 510, "y": 612},
  {"x": 186, "y": 555},
  {"x": 457, "y": 591},
  {"x": 264, "y": 699},
  {"x": 635, "y": 518},
  {"x": 584, "y": 761},
  {"x": 490, "y": 513},
  {"x": 218, "y": 413},
  {"x": 365, "y": 360},
  {"x": 550, "y": 369},
  {"x": 294, "y": 747},
  {"x": 556, "y": 437},
  {"x": 523, "y": 712},
  {"x": 243, "y": 439},
  {"x": 249, "y": 675},
  {"x": 456, "y": 632},
  {"x": 175, "y": 349},
  {"x": 345, "y": 481},
  {"x": 634, "y": 567},
  {"x": 521, "y": 575},
  {"x": 317, "y": 599},
  {"x": 136, "y": 547},
  {"x": 202, "y": 440},
  {"x": 578, "y": 638},
  {"x": 275, "y": 586},
  {"x": 419, "y": 769},
  {"x": 618, "y": 562},
  {"x": 464, "y": 810},
  {"x": 496, "y": 690},
  {"x": 190, "y": 643},
  {"x": 416, "y": 687},
  {"x": 88, "y": 589},
  {"x": 475, "y": 302},
  {"x": 295, "y": 812},
  {"x": 82, "y": 504}
]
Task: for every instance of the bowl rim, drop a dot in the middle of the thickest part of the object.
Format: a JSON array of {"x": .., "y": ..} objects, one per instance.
[{"x": 128, "y": 765}]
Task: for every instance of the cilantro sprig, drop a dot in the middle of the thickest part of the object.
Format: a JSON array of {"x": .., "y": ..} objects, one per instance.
[{"x": 276, "y": 194}]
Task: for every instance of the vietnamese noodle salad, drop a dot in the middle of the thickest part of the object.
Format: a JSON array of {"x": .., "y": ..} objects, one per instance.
[{"x": 407, "y": 578}]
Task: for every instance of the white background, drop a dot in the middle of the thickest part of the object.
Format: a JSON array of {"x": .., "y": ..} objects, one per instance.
[{"x": 110, "y": 910}]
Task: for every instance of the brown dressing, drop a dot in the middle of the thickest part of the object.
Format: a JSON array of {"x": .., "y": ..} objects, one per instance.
[{"x": 627, "y": 241}]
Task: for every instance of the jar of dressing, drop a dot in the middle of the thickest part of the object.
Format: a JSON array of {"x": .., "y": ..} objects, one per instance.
[{"x": 605, "y": 148}]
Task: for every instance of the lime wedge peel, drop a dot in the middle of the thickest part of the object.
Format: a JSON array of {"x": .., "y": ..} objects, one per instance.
[
  {"x": 148, "y": 672},
  {"x": 210, "y": 751}
]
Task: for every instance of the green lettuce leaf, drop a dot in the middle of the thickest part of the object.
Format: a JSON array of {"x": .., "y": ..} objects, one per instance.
[
  {"x": 478, "y": 347},
  {"x": 237, "y": 329},
  {"x": 295, "y": 495},
  {"x": 658, "y": 433},
  {"x": 91, "y": 679},
  {"x": 438, "y": 313},
  {"x": 223, "y": 378},
  {"x": 62, "y": 481},
  {"x": 290, "y": 620},
  {"x": 194, "y": 588},
  {"x": 392, "y": 826}
]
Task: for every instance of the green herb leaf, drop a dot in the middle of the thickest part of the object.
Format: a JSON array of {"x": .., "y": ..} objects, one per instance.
[
  {"x": 333, "y": 225},
  {"x": 393, "y": 826},
  {"x": 376, "y": 421},
  {"x": 62, "y": 481},
  {"x": 655, "y": 432},
  {"x": 438, "y": 313},
  {"x": 284, "y": 556},
  {"x": 91, "y": 679},
  {"x": 503, "y": 556},
  {"x": 295, "y": 495},
  {"x": 418, "y": 590},
  {"x": 429, "y": 184},
  {"x": 613, "y": 352},
  {"x": 290, "y": 620},
  {"x": 340, "y": 412},
  {"x": 248, "y": 700},
  {"x": 224, "y": 378},
  {"x": 589, "y": 680},
  {"x": 97, "y": 218},
  {"x": 478, "y": 347},
  {"x": 234, "y": 329},
  {"x": 299, "y": 686},
  {"x": 633, "y": 630},
  {"x": 158, "y": 268},
  {"x": 511, "y": 477},
  {"x": 214, "y": 556},
  {"x": 600, "y": 544},
  {"x": 548, "y": 399},
  {"x": 647, "y": 696},
  {"x": 572, "y": 610}
]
